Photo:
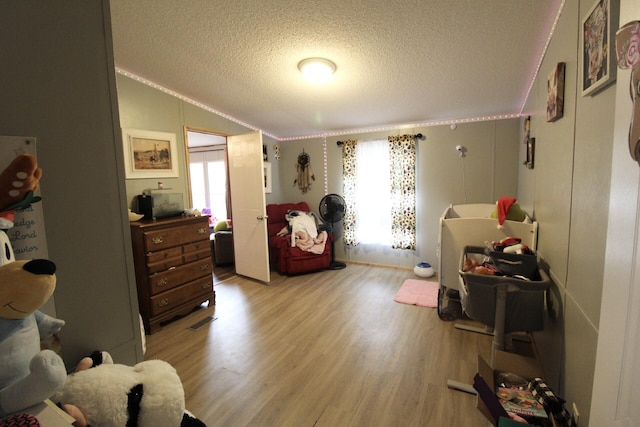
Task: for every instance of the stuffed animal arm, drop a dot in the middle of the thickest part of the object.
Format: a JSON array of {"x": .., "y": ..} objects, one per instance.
[
  {"x": 46, "y": 374},
  {"x": 47, "y": 325}
]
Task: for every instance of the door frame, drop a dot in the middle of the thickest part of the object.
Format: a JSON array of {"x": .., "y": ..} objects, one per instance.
[{"x": 187, "y": 156}]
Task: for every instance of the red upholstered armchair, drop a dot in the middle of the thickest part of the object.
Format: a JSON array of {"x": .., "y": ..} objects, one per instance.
[{"x": 292, "y": 260}]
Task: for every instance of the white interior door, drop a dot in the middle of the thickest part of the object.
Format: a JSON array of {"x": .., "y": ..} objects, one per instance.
[{"x": 246, "y": 180}]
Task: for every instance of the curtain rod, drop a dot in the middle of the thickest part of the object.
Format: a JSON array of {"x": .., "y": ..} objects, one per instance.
[{"x": 416, "y": 136}]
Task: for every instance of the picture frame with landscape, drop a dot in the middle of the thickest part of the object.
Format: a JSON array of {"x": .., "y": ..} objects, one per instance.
[{"x": 149, "y": 154}]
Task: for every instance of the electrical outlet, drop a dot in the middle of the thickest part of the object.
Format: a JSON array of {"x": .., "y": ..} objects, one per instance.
[{"x": 575, "y": 414}]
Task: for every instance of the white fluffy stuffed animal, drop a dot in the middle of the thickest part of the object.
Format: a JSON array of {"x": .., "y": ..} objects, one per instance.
[{"x": 101, "y": 393}]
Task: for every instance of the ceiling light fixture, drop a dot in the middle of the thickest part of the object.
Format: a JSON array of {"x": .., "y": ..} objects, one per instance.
[{"x": 317, "y": 70}]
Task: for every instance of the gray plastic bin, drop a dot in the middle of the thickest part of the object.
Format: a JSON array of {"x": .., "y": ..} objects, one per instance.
[{"x": 504, "y": 303}]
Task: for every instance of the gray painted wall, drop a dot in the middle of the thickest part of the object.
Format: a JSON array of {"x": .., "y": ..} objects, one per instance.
[
  {"x": 142, "y": 107},
  {"x": 58, "y": 85},
  {"x": 488, "y": 171},
  {"x": 617, "y": 369},
  {"x": 569, "y": 192}
]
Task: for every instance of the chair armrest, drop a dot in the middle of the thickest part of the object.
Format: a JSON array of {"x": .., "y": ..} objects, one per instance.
[{"x": 280, "y": 241}]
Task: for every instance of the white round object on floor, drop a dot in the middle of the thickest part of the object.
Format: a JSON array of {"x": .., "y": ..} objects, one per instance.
[{"x": 423, "y": 269}]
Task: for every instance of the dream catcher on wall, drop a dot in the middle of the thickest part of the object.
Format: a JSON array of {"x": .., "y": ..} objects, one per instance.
[{"x": 304, "y": 173}]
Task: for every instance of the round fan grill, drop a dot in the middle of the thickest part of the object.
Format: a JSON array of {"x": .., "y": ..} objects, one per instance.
[{"x": 332, "y": 209}]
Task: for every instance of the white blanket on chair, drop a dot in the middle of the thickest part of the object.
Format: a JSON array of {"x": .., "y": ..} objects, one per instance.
[
  {"x": 304, "y": 231},
  {"x": 304, "y": 222},
  {"x": 306, "y": 243}
]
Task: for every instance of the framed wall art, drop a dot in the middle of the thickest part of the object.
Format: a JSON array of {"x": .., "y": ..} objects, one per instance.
[
  {"x": 267, "y": 177},
  {"x": 149, "y": 154},
  {"x": 555, "y": 93},
  {"x": 598, "y": 59},
  {"x": 531, "y": 151}
]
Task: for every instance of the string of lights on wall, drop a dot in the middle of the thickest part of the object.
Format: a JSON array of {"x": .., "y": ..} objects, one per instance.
[
  {"x": 189, "y": 100},
  {"x": 405, "y": 126},
  {"x": 544, "y": 51},
  {"x": 350, "y": 131},
  {"x": 324, "y": 165}
]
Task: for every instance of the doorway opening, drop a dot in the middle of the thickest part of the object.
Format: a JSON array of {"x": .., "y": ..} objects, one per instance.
[{"x": 208, "y": 174}]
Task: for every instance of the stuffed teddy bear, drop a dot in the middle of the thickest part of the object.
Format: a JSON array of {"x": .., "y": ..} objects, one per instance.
[
  {"x": 28, "y": 375},
  {"x": 102, "y": 393}
]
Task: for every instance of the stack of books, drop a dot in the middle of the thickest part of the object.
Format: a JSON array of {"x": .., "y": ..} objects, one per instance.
[{"x": 520, "y": 402}]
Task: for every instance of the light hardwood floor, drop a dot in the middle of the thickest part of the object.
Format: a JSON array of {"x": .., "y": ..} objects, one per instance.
[{"x": 326, "y": 349}]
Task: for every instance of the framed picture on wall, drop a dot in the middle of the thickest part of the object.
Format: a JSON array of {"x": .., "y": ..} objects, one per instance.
[
  {"x": 149, "y": 154},
  {"x": 267, "y": 177},
  {"x": 531, "y": 151},
  {"x": 555, "y": 93},
  {"x": 597, "y": 51}
]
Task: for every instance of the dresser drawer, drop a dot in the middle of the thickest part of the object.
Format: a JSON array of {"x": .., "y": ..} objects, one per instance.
[
  {"x": 198, "y": 246},
  {"x": 174, "y": 257},
  {"x": 173, "y": 277},
  {"x": 173, "y": 298},
  {"x": 161, "y": 255},
  {"x": 194, "y": 256},
  {"x": 165, "y": 264},
  {"x": 169, "y": 237}
]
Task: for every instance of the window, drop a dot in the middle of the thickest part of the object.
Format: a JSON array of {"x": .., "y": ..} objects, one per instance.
[
  {"x": 208, "y": 173},
  {"x": 373, "y": 198},
  {"x": 379, "y": 186}
]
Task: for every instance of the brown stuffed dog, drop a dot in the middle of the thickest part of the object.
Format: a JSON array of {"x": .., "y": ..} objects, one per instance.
[{"x": 28, "y": 374}]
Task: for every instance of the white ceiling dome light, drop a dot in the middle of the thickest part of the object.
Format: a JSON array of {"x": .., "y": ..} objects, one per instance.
[{"x": 317, "y": 70}]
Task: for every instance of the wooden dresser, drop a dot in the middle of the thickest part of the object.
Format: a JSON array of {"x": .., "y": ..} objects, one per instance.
[{"x": 173, "y": 267}]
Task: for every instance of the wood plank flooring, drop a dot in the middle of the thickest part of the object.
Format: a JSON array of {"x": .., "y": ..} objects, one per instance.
[{"x": 325, "y": 349}]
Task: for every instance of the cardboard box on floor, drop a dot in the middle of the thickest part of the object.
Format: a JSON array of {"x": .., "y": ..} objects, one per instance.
[{"x": 526, "y": 367}]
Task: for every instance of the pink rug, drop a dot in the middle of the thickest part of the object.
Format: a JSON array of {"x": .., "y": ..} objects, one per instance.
[{"x": 418, "y": 292}]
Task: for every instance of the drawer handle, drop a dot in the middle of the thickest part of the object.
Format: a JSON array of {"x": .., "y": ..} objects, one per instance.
[
  {"x": 204, "y": 267},
  {"x": 157, "y": 240},
  {"x": 163, "y": 302},
  {"x": 205, "y": 286},
  {"x": 162, "y": 282},
  {"x": 203, "y": 230}
]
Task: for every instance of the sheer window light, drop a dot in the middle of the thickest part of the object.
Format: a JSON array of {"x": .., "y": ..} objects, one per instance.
[
  {"x": 209, "y": 182},
  {"x": 373, "y": 200}
]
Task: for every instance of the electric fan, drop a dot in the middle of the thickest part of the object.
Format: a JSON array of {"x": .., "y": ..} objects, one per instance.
[{"x": 332, "y": 209}]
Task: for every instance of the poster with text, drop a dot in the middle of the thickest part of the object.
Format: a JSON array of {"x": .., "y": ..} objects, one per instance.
[{"x": 28, "y": 233}]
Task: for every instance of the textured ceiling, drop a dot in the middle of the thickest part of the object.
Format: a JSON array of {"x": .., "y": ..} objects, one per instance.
[{"x": 399, "y": 61}]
